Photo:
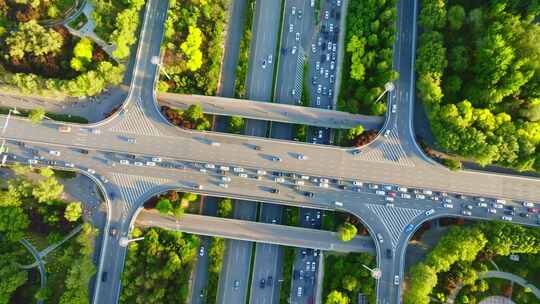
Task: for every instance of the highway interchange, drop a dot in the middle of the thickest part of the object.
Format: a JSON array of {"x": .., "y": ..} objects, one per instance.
[{"x": 392, "y": 160}]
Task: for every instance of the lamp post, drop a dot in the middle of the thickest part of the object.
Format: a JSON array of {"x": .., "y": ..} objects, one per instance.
[
  {"x": 375, "y": 272},
  {"x": 388, "y": 87},
  {"x": 124, "y": 241}
]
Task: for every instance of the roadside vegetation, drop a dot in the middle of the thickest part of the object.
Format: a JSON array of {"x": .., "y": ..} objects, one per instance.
[
  {"x": 225, "y": 208},
  {"x": 461, "y": 254},
  {"x": 215, "y": 256},
  {"x": 192, "y": 118},
  {"x": 173, "y": 203},
  {"x": 193, "y": 46},
  {"x": 288, "y": 263},
  {"x": 243, "y": 55},
  {"x": 32, "y": 208},
  {"x": 345, "y": 278},
  {"x": 41, "y": 60},
  {"x": 158, "y": 268},
  {"x": 367, "y": 64},
  {"x": 479, "y": 79}
]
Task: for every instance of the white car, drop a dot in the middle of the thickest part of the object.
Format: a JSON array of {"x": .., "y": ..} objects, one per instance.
[
  {"x": 300, "y": 182},
  {"x": 301, "y": 157},
  {"x": 139, "y": 164},
  {"x": 420, "y": 196},
  {"x": 151, "y": 164},
  {"x": 201, "y": 251},
  {"x": 430, "y": 212},
  {"x": 482, "y": 204},
  {"x": 492, "y": 210},
  {"x": 313, "y": 48},
  {"x": 448, "y": 205},
  {"x": 506, "y": 218},
  {"x": 500, "y": 201},
  {"x": 293, "y": 10},
  {"x": 405, "y": 195},
  {"x": 396, "y": 280},
  {"x": 261, "y": 172},
  {"x": 91, "y": 171},
  {"x": 312, "y": 3},
  {"x": 243, "y": 175},
  {"x": 389, "y": 199},
  {"x": 528, "y": 204},
  {"x": 318, "y": 100},
  {"x": 498, "y": 206},
  {"x": 32, "y": 161},
  {"x": 224, "y": 186},
  {"x": 157, "y": 159},
  {"x": 380, "y": 238},
  {"x": 326, "y": 15},
  {"x": 332, "y": 65},
  {"x": 293, "y": 50},
  {"x": 124, "y": 162},
  {"x": 394, "y": 108},
  {"x": 466, "y": 212},
  {"x": 202, "y": 170},
  {"x": 304, "y": 177},
  {"x": 338, "y": 2},
  {"x": 323, "y": 185},
  {"x": 55, "y": 153},
  {"x": 224, "y": 168},
  {"x": 291, "y": 28},
  {"x": 279, "y": 180},
  {"x": 386, "y": 133},
  {"x": 402, "y": 189},
  {"x": 226, "y": 178},
  {"x": 209, "y": 166},
  {"x": 297, "y": 36},
  {"x": 380, "y": 192},
  {"x": 70, "y": 165},
  {"x": 357, "y": 183},
  {"x": 238, "y": 169}
]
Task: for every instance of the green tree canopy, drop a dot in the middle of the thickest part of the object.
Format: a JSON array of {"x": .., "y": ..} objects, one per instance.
[
  {"x": 336, "y": 297},
  {"x": 164, "y": 206},
  {"x": 354, "y": 132},
  {"x": 456, "y": 16},
  {"x": 47, "y": 190},
  {"x": 73, "y": 211},
  {"x": 347, "y": 232},
  {"x": 36, "y": 115},
  {"x": 225, "y": 207},
  {"x": 13, "y": 222},
  {"x": 32, "y": 38},
  {"x": 12, "y": 277},
  {"x": 191, "y": 48}
]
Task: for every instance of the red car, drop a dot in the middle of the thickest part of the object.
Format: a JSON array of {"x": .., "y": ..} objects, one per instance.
[
  {"x": 392, "y": 194},
  {"x": 533, "y": 210}
]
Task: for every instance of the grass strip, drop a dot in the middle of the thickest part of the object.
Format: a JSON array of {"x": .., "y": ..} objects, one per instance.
[
  {"x": 288, "y": 262},
  {"x": 243, "y": 56},
  {"x": 277, "y": 51},
  {"x": 216, "y": 253},
  {"x": 53, "y": 116}
]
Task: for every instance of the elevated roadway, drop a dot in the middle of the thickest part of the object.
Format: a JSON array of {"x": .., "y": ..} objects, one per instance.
[
  {"x": 270, "y": 111},
  {"x": 256, "y": 232}
]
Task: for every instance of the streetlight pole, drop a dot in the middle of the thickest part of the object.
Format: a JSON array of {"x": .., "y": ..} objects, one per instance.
[
  {"x": 124, "y": 241},
  {"x": 375, "y": 272},
  {"x": 388, "y": 87}
]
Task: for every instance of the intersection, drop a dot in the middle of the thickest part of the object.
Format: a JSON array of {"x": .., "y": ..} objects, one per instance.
[{"x": 392, "y": 160}]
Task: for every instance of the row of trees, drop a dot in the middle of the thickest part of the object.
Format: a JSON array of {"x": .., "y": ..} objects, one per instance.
[
  {"x": 345, "y": 277},
  {"x": 192, "y": 118},
  {"x": 463, "y": 252},
  {"x": 243, "y": 54},
  {"x": 479, "y": 79},
  {"x": 370, "y": 36},
  {"x": 215, "y": 257},
  {"x": 193, "y": 46},
  {"x": 158, "y": 268},
  {"x": 117, "y": 23}
]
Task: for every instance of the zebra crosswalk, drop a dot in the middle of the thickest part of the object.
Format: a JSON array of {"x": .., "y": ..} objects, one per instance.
[
  {"x": 387, "y": 149},
  {"x": 133, "y": 187},
  {"x": 134, "y": 121},
  {"x": 299, "y": 73},
  {"x": 394, "y": 218}
]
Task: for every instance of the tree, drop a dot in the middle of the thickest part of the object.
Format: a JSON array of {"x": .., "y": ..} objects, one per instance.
[
  {"x": 354, "y": 132},
  {"x": 422, "y": 281},
  {"x": 350, "y": 283},
  {"x": 32, "y": 38},
  {"x": 73, "y": 211},
  {"x": 47, "y": 190},
  {"x": 191, "y": 46},
  {"x": 433, "y": 14},
  {"x": 456, "y": 17},
  {"x": 13, "y": 222},
  {"x": 336, "y": 297},
  {"x": 36, "y": 115},
  {"x": 12, "y": 277},
  {"x": 164, "y": 206},
  {"x": 236, "y": 124},
  {"x": 431, "y": 56},
  {"x": 82, "y": 54},
  {"x": 347, "y": 231},
  {"x": 225, "y": 207}
]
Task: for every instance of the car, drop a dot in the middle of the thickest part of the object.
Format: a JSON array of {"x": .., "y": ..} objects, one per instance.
[
  {"x": 430, "y": 212},
  {"x": 269, "y": 281},
  {"x": 209, "y": 166},
  {"x": 313, "y": 48},
  {"x": 317, "y": 65},
  {"x": 131, "y": 156},
  {"x": 312, "y": 3},
  {"x": 386, "y": 133},
  {"x": 373, "y": 186},
  {"x": 242, "y": 175},
  {"x": 482, "y": 205},
  {"x": 293, "y": 50},
  {"x": 276, "y": 159},
  {"x": 308, "y": 194},
  {"x": 313, "y": 266},
  {"x": 358, "y": 183},
  {"x": 466, "y": 212},
  {"x": 318, "y": 100},
  {"x": 320, "y": 134},
  {"x": 199, "y": 187},
  {"x": 524, "y": 214},
  {"x": 224, "y": 185},
  {"x": 340, "y": 204},
  {"x": 104, "y": 179},
  {"x": 326, "y": 15},
  {"x": 261, "y": 172},
  {"x": 329, "y": 46},
  {"x": 338, "y": 2},
  {"x": 323, "y": 185},
  {"x": 380, "y": 192},
  {"x": 394, "y": 108},
  {"x": 510, "y": 212},
  {"x": 528, "y": 204},
  {"x": 279, "y": 180},
  {"x": 32, "y": 161},
  {"x": 104, "y": 276},
  {"x": 326, "y": 75},
  {"x": 380, "y": 238},
  {"x": 332, "y": 65},
  {"x": 409, "y": 228},
  {"x": 332, "y": 78},
  {"x": 263, "y": 65},
  {"x": 91, "y": 171},
  {"x": 420, "y": 196},
  {"x": 327, "y": 56},
  {"x": 54, "y": 153},
  {"x": 138, "y": 164},
  {"x": 497, "y": 206},
  {"x": 533, "y": 210},
  {"x": 468, "y": 207},
  {"x": 300, "y": 13},
  {"x": 447, "y": 200},
  {"x": 201, "y": 251},
  {"x": 331, "y": 28},
  {"x": 506, "y": 218},
  {"x": 238, "y": 169},
  {"x": 236, "y": 284},
  {"x": 274, "y": 190},
  {"x": 301, "y": 157},
  {"x": 70, "y": 165},
  {"x": 151, "y": 164},
  {"x": 270, "y": 59},
  {"x": 296, "y": 274},
  {"x": 297, "y": 36},
  {"x": 226, "y": 178},
  {"x": 405, "y": 195},
  {"x": 157, "y": 159},
  {"x": 113, "y": 231},
  {"x": 396, "y": 280},
  {"x": 293, "y": 10},
  {"x": 308, "y": 265},
  {"x": 132, "y": 140},
  {"x": 262, "y": 283},
  {"x": 492, "y": 210},
  {"x": 448, "y": 205},
  {"x": 299, "y": 291},
  {"x": 64, "y": 129},
  {"x": 389, "y": 253}
]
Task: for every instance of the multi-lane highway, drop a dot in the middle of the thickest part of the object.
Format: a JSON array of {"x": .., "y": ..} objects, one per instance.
[{"x": 392, "y": 159}]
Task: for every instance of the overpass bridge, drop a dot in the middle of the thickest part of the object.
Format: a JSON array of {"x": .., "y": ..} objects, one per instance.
[
  {"x": 256, "y": 232},
  {"x": 277, "y": 112}
]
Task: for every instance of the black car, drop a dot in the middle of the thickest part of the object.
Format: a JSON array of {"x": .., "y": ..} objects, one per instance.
[
  {"x": 262, "y": 283},
  {"x": 308, "y": 194},
  {"x": 389, "y": 253},
  {"x": 269, "y": 281},
  {"x": 83, "y": 151},
  {"x": 323, "y": 58},
  {"x": 112, "y": 195},
  {"x": 274, "y": 190},
  {"x": 342, "y": 187},
  {"x": 104, "y": 276},
  {"x": 296, "y": 274},
  {"x": 132, "y": 156}
]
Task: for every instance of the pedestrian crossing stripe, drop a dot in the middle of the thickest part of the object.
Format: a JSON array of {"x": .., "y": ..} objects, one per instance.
[{"x": 394, "y": 219}]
